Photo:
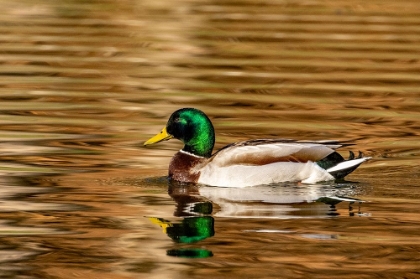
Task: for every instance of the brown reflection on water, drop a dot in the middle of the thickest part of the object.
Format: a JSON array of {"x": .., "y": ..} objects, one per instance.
[{"x": 109, "y": 222}]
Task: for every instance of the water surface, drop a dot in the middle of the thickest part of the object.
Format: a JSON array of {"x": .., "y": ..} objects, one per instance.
[{"x": 83, "y": 84}]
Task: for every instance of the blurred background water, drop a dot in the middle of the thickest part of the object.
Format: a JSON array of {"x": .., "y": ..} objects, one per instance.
[{"x": 84, "y": 83}]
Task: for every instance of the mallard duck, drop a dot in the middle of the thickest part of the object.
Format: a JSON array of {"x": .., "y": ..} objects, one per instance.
[{"x": 248, "y": 163}]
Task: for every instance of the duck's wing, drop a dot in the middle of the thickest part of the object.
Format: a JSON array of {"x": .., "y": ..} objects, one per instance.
[{"x": 266, "y": 151}]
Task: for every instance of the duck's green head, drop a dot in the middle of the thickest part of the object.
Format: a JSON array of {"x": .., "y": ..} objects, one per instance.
[{"x": 192, "y": 127}]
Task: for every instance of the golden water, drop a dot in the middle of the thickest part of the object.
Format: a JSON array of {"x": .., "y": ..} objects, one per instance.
[{"x": 84, "y": 83}]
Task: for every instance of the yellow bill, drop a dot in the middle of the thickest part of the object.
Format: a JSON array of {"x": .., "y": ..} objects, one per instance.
[
  {"x": 163, "y": 135},
  {"x": 164, "y": 224}
]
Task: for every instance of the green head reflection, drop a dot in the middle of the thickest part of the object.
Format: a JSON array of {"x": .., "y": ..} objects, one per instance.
[
  {"x": 194, "y": 253},
  {"x": 189, "y": 230}
]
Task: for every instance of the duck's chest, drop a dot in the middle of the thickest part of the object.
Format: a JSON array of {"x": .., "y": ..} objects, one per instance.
[{"x": 185, "y": 167}]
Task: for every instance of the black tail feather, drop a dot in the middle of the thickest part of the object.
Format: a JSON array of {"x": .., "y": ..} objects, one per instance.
[
  {"x": 334, "y": 159},
  {"x": 343, "y": 173}
]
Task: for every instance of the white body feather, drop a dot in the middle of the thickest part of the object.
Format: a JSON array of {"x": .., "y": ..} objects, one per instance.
[
  {"x": 229, "y": 167},
  {"x": 243, "y": 175}
]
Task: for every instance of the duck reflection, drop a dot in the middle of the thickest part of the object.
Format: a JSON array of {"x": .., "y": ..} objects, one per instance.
[
  {"x": 189, "y": 230},
  {"x": 198, "y": 205},
  {"x": 277, "y": 201},
  {"x": 196, "y": 225}
]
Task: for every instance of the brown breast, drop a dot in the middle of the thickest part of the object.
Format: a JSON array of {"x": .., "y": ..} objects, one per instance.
[{"x": 183, "y": 167}]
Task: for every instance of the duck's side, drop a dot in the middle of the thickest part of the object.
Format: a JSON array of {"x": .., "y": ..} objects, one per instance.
[
  {"x": 246, "y": 175},
  {"x": 258, "y": 162}
]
